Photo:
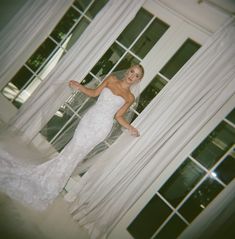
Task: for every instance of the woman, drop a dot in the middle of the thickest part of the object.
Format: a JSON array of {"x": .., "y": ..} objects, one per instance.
[
  {"x": 39, "y": 185},
  {"x": 118, "y": 88}
]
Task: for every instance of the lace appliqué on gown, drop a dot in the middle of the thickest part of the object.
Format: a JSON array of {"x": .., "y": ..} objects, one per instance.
[{"x": 39, "y": 185}]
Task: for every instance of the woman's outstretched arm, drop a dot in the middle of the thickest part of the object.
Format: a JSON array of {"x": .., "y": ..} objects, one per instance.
[
  {"x": 119, "y": 116},
  {"x": 88, "y": 91}
]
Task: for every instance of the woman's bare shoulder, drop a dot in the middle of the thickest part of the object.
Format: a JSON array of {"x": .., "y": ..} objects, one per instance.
[
  {"x": 111, "y": 78},
  {"x": 131, "y": 97}
]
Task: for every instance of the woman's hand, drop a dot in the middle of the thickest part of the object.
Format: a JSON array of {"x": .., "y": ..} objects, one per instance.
[
  {"x": 74, "y": 84},
  {"x": 133, "y": 131}
]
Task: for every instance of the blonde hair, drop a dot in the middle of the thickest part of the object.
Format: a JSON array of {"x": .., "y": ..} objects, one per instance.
[{"x": 140, "y": 67}]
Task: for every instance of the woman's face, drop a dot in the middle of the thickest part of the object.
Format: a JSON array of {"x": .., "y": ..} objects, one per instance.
[{"x": 133, "y": 75}]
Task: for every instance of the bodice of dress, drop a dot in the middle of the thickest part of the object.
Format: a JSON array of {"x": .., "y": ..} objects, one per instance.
[{"x": 108, "y": 103}]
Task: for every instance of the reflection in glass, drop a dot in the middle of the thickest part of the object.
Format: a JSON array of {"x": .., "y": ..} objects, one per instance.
[
  {"x": 149, "y": 38},
  {"x": 154, "y": 87},
  {"x": 206, "y": 192},
  {"x": 65, "y": 24},
  {"x": 149, "y": 219},
  {"x": 66, "y": 134},
  {"x": 95, "y": 8},
  {"x": 226, "y": 170},
  {"x": 41, "y": 54},
  {"x": 215, "y": 145},
  {"x": 56, "y": 122},
  {"x": 185, "y": 52},
  {"x": 90, "y": 81},
  {"x": 78, "y": 99},
  {"x": 231, "y": 116},
  {"x": 16, "y": 84},
  {"x": 172, "y": 229},
  {"x": 108, "y": 60},
  {"x": 86, "y": 106},
  {"x": 82, "y": 4},
  {"x": 135, "y": 27},
  {"x": 181, "y": 182}
]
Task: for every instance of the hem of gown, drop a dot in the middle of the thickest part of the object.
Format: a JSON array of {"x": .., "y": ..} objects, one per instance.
[{"x": 90, "y": 228}]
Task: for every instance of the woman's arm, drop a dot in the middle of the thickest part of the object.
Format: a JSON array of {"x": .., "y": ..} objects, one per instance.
[
  {"x": 88, "y": 91},
  {"x": 120, "y": 119}
]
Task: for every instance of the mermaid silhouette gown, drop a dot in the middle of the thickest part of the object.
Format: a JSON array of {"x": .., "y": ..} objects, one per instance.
[{"x": 39, "y": 185}]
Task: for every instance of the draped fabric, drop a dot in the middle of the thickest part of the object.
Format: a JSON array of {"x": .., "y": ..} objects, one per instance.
[
  {"x": 170, "y": 121},
  {"x": 25, "y": 32},
  {"x": 97, "y": 38}
]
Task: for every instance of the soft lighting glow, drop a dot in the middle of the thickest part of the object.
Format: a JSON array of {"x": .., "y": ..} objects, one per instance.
[
  {"x": 214, "y": 174},
  {"x": 202, "y": 206}
]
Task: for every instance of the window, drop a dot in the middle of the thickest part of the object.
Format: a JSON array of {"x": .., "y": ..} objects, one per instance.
[
  {"x": 43, "y": 60},
  {"x": 131, "y": 46},
  {"x": 196, "y": 182},
  {"x": 185, "y": 52},
  {"x": 147, "y": 222}
]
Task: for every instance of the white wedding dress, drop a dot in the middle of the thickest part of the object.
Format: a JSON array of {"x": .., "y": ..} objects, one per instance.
[{"x": 39, "y": 185}]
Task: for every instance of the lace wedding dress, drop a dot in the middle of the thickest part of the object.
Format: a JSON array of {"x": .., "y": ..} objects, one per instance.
[{"x": 39, "y": 185}]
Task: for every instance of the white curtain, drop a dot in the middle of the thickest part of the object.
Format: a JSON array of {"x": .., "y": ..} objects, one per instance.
[
  {"x": 25, "y": 32},
  {"x": 171, "y": 120},
  {"x": 95, "y": 40}
]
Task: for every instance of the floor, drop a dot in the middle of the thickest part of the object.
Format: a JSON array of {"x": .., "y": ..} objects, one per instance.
[{"x": 19, "y": 222}]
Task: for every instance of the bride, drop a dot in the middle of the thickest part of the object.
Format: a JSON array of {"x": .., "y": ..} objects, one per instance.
[{"x": 39, "y": 185}]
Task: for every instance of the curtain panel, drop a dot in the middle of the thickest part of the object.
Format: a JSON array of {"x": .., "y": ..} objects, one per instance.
[
  {"x": 82, "y": 56},
  {"x": 25, "y": 32},
  {"x": 124, "y": 171}
]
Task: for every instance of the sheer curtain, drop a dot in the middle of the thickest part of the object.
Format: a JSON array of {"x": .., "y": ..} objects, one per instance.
[
  {"x": 25, "y": 32},
  {"x": 95, "y": 40},
  {"x": 171, "y": 120}
]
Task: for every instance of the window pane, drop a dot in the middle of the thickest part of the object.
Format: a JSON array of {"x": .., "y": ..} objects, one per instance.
[
  {"x": 108, "y": 60},
  {"x": 149, "y": 38},
  {"x": 154, "y": 87},
  {"x": 82, "y": 4},
  {"x": 95, "y": 8},
  {"x": 56, "y": 122},
  {"x": 17, "y": 83},
  {"x": 65, "y": 24},
  {"x": 200, "y": 198},
  {"x": 231, "y": 116},
  {"x": 215, "y": 145},
  {"x": 181, "y": 182},
  {"x": 126, "y": 62},
  {"x": 41, "y": 54},
  {"x": 66, "y": 134},
  {"x": 172, "y": 229},
  {"x": 135, "y": 27},
  {"x": 185, "y": 52},
  {"x": 90, "y": 81},
  {"x": 77, "y": 32},
  {"x": 149, "y": 219},
  {"x": 27, "y": 91},
  {"x": 78, "y": 100},
  {"x": 226, "y": 170}
]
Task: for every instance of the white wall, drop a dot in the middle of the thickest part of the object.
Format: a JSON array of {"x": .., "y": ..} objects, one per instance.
[{"x": 204, "y": 14}]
